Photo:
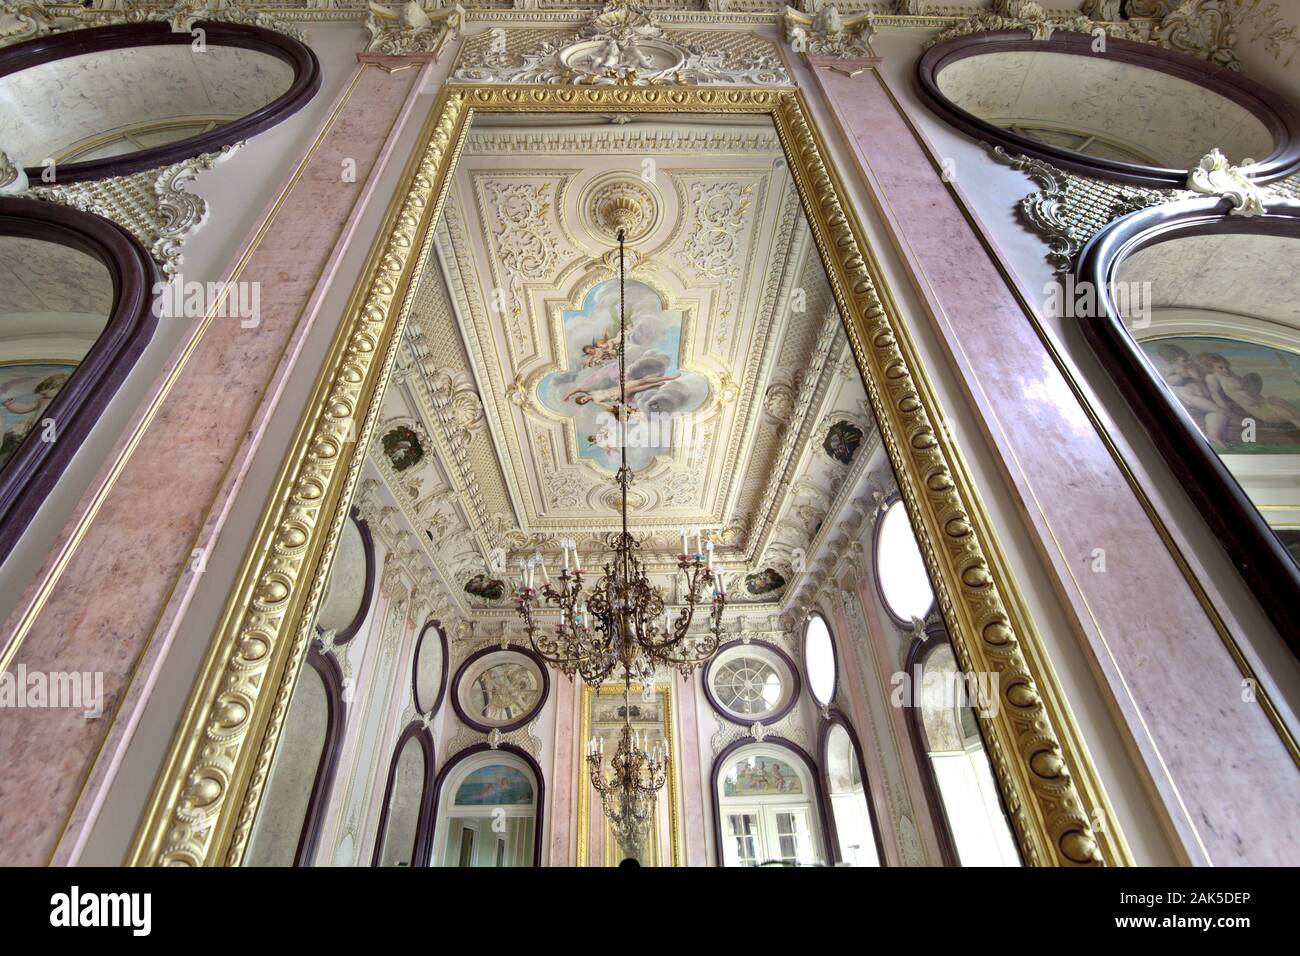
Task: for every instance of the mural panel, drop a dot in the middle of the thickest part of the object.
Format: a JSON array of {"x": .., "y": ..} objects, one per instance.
[{"x": 657, "y": 386}]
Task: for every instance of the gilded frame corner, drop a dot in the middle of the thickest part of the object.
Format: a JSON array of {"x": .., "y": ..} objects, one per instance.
[{"x": 208, "y": 790}]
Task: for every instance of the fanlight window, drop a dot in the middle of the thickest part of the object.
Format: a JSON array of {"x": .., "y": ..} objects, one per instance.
[
  {"x": 489, "y": 813},
  {"x": 767, "y": 813},
  {"x": 748, "y": 685},
  {"x": 819, "y": 660},
  {"x": 900, "y": 570}
]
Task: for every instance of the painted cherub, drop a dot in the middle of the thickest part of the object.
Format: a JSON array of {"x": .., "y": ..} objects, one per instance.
[{"x": 1246, "y": 392}]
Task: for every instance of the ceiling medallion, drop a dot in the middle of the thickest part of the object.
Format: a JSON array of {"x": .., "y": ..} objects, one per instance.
[{"x": 622, "y": 205}]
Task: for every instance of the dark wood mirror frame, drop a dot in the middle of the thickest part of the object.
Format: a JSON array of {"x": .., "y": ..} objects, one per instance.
[
  {"x": 35, "y": 466},
  {"x": 1254, "y": 549},
  {"x": 58, "y": 46},
  {"x": 1281, "y": 118},
  {"x": 423, "y": 846}
]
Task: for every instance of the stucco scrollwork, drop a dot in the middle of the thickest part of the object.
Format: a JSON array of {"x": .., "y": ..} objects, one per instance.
[
  {"x": 413, "y": 29},
  {"x": 1069, "y": 209},
  {"x": 823, "y": 31},
  {"x": 13, "y": 179},
  {"x": 153, "y": 205},
  {"x": 25, "y": 20},
  {"x": 1215, "y": 176},
  {"x": 1207, "y": 29},
  {"x": 623, "y": 44},
  {"x": 1203, "y": 28}
]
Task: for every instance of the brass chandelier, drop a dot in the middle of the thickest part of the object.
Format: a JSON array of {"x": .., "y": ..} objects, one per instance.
[{"x": 622, "y": 620}]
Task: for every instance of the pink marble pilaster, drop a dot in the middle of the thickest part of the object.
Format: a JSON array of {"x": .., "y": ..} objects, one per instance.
[
  {"x": 564, "y": 774},
  {"x": 115, "y": 606},
  {"x": 690, "y": 785},
  {"x": 1217, "y": 766}
]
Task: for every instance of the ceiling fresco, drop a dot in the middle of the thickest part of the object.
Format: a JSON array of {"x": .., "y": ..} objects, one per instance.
[{"x": 748, "y": 418}]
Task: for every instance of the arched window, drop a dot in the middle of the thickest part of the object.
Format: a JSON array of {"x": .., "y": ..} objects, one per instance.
[
  {"x": 853, "y": 824},
  {"x": 302, "y": 775},
  {"x": 767, "y": 806},
  {"x": 901, "y": 577},
  {"x": 819, "y": 660},
  {"x": 951, "y": 750},
  {"x": 403, "y": 835},
  {"x": 489, "y": 810}
]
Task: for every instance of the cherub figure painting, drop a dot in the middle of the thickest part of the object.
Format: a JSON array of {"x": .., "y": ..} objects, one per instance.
[
  {"x": 656, "y": 386},
  {"x": 1244, "y": 397},
  {"x": 27, "y": 389}
]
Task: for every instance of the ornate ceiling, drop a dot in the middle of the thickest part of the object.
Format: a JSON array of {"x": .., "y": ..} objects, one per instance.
[{"x": 749, "y": 413}]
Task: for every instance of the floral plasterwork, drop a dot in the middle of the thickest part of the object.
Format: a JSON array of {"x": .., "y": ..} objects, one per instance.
[
  {"x": 1069, "y": 209},
  {"x": 25, "y": 20},
  {"x": 1029, "y": 15},
  {"x": 154, "y": 205},
  {"x": 13, "y": 179},
  {"x": 623, "y": 44}
]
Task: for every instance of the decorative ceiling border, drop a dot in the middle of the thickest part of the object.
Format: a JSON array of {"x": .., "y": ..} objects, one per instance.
[{"x": 1208, "y": 29}]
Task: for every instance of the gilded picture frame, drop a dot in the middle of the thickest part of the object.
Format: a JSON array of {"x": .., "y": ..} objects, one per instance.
[{"x": 209, "y": 787}]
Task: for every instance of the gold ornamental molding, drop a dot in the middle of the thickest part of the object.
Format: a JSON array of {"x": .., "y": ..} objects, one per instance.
[{"x": 208, "y": 791}]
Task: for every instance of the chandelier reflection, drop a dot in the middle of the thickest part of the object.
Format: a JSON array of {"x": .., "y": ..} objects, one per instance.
[
  {"x": 622, "y": 620},
  {"x": 629, "y": 792}
]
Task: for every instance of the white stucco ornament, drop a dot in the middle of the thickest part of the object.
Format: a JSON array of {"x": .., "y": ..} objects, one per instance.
[
  {"x": 609, "y": 62},
  {"x": 1215, "y": 176},
  {"x": 413, "y": 28},
  {"x": 13, "y": 179},
  {"x": 622, "y": 44},
  {"x": 819, "y": 29}
]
